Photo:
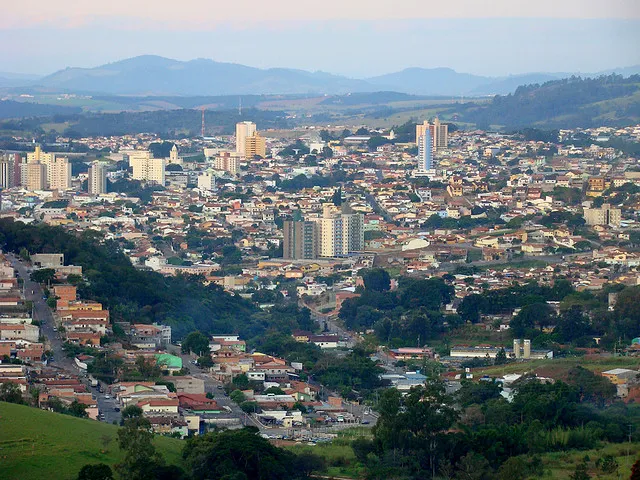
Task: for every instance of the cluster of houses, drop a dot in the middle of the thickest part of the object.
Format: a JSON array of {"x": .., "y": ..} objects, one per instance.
[{"x": 19, "y": 334}]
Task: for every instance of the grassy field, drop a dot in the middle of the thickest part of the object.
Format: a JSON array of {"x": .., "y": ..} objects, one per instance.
[
  {"x": 36, "y": 444},
  {"x": 341, "y": 461},
  {"x": 561, "y": 465},
  {"x": 557, "y": 465},
  {"x": 561, "y": 365}
]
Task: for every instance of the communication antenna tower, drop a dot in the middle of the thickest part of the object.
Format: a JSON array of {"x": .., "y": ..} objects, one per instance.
[{"x": 202, "y": 122}]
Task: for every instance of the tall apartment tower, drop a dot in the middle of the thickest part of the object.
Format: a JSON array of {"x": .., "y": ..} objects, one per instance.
[
  {"x": 58, "y": 174},
  {"x": 300, "y": 240},
  {"x": 7, "y": 171},
  {"x": 341, "y": 232},
  {"x": 97, "y": 179},
  {"x": 17, "y": 169},
  {"x": 605, "y": 215},
  {"x": 227, "y": 162},
  {"x": 243, "y": 130},
  {"x": 39, "y": 156},
  {"x": 425, "y": 151},
  {"x": 36, "y": 176},
  {"x": 147, "y": 168},
  {"x": 439, "y": 133},
  {"x": 255, "y": 145}
]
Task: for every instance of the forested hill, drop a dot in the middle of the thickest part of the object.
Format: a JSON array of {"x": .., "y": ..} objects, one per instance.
[
  {"x": 132, "y": 295},
  {"x": 569, "y": 103}
]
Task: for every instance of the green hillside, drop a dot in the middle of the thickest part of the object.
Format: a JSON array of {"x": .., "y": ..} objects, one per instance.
[
  {"x": 37, "y": 444},
  {"x": 569, "y": 103}
]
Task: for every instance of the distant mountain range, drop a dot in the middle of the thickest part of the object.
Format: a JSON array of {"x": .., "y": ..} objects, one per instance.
[{"x": 154, "y": 75}]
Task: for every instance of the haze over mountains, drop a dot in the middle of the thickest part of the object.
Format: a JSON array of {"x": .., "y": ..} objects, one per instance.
[{"x": 155, "y": 75}]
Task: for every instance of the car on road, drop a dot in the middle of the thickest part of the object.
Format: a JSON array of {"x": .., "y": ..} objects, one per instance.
[
  {"x": 107, "y": 397},
  {"x": 116, "y": 409}
]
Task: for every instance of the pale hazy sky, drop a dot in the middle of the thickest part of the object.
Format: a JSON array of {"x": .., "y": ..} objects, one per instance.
[{"x": 351, "y": 37}]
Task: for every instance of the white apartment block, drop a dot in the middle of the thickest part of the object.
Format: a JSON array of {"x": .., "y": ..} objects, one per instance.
[{"x": 145, "y": 167}]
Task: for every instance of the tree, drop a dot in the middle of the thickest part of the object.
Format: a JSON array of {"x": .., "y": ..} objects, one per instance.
[
  {"x": 205, "y": 361},
  {"x": 580, "y": 473},
  {"x": 417, "y": 423},
  {"x": 572, "y": 324},
  {"x": 98, "y": 471},
  {"x": 514, "y": 467},
  {"x": 635, "y": 471},
  {"x": 10, "y": 392},
  {"x": 473, "y": 466},
  {"x": 306, "y": 463},
  {"x": 608, "y": 464},
  {"x": 592, "y": 388},
  {"x": 228, "y": 453},
  {"x": 131, "y": 411},
  {"x": 241, "y": 381},
  {"x": 141, "y": 460},
  {"x": 237, "y": 396},
  {"x": 501, "y": 357},
  {"x": 148, "y": 368},
  {"x": 196, "y": 342},
  {"x": 530, "y": 316},
  {"x": 43, "y": 275},
  {"x": 78, "y": 409},
  {"x": 376, "y": 279},
  {"x": 336, "y": 198}
]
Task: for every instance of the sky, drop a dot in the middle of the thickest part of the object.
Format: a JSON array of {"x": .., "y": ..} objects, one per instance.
[{"x": 356, "y": 38}]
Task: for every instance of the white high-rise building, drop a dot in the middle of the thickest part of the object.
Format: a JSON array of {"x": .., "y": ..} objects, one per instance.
[
  {"x": 341, "y": 232},
  {"x": 58, "y": 173},
  {"x": 147, "y": 168},
  {"x": 207, "y": 181},
  {"x": 243, "y": 130},
  {"x": 425, "y": 151},
  {"x": 97, "y": 179},
  {"x": 7, "y": 167}
]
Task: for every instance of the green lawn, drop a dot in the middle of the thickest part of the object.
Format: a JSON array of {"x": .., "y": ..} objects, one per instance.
[
  {"x": 37, "y": 444},
  {"x": 561, "y": 465}
]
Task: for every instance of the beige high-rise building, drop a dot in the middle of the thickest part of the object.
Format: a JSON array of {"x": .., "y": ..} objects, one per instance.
[
  {"x": 255, "y": 145},
  {"x": 243, "y": 130},
  {"x": 97, "y": 184},
  {"x": 227, "y": 162},
  {"x": 605, "y": 215},
  {"x": 147, "y": 168},
  {"x": 341, "y": 231},
  {"x": 39, "y": 156},
  {"x": 58, "y": 174},
  {"x": 439, "y": 133},
  {"x": 36, "y": 176}
]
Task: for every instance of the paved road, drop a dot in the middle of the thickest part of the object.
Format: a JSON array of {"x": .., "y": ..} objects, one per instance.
[{"x": 42, "y": 313}]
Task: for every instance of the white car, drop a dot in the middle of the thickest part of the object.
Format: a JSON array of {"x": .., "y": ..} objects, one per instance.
[{"x": 107, "y": 396}]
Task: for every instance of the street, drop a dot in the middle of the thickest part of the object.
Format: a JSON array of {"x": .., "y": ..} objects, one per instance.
[{"x": 42, "y": 313}]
